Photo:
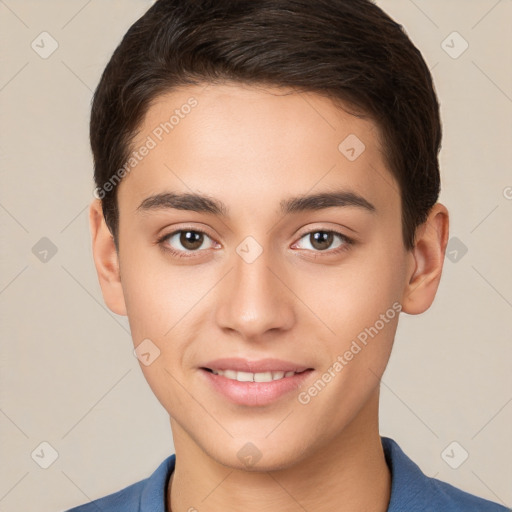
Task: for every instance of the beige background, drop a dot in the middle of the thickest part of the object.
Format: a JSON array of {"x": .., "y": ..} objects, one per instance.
[{"x": 67, "y": 373}]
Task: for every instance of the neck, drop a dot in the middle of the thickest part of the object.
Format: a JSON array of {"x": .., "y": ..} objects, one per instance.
[{"x": 350, "y": 469}]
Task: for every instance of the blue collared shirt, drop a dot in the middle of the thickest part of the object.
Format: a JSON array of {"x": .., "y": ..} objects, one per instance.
[{"x": 411, "y": 490}]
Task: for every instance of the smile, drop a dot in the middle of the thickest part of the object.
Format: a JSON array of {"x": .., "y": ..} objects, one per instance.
[
  {"x": 255, "y": 388},
  {"x": 253, "y": 377}
]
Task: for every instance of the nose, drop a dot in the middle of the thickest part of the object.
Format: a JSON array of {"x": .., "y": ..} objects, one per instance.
[{"x": 254, "y": 298}]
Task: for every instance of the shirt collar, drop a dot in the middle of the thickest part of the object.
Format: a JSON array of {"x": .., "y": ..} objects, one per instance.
[
  {"x": 407, "y": 480},
  {"x": 153, "y": 496}
]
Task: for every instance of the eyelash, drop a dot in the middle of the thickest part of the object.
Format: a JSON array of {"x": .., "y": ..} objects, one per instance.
[{"x": 346, "y": 242}]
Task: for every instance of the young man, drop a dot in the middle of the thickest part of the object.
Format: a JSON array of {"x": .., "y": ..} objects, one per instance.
[{"x": 267, "y": 179}]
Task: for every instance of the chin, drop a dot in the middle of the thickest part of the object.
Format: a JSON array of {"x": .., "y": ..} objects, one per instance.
[{"x": 250, "y": 458}]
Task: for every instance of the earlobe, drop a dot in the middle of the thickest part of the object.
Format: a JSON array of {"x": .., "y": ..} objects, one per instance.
[
  {"x": 106, "y": 260},
  {"x": 427, "y": 261}
]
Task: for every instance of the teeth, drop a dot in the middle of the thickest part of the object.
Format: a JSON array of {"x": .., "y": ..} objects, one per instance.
[{"x": 253, "y": 377}]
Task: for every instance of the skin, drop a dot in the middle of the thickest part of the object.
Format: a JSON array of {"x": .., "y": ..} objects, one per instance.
[{"x": 252, "y": 147}]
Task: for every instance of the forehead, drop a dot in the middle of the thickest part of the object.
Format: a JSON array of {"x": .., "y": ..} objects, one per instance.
[{"x": 242, "y": 142}]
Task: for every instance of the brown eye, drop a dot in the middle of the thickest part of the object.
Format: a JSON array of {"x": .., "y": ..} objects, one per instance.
[
  {"x": 191, "y": 240},
  {"x": 186, "y": 240},
  {"x": 322, "y": 240}
]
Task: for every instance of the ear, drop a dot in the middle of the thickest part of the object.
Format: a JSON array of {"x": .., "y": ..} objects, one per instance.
[
  {"x": 427, "y": 259},
  {"x": 106, "y": 260}
]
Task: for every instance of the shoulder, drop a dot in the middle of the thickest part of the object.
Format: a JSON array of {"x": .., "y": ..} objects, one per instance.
[
  {"x": 145, "y": 495},
  {"x": 455, "y": 499},
  {"x": 126, "y": 500},
  {"x": 413, "y": 491}
]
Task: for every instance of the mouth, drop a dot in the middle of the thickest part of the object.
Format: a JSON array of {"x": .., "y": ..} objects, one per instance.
[
  {"x": 255, "y": 388},
  {"x": 268, "y": 376}
]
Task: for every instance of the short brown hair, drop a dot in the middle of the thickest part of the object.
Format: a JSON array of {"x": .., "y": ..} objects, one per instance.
[{"x": 348, "y": 50}]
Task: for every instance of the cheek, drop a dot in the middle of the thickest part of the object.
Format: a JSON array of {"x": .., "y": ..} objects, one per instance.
[
  {"x": 360, "y": 303},
  {"x": 157, "y": 293},
  {"x": 353, "y": 295}
]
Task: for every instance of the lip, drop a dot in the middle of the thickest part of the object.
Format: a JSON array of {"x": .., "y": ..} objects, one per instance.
[
  {"x": 254, "y": 393},
  {"x": 258, "y": 366}
]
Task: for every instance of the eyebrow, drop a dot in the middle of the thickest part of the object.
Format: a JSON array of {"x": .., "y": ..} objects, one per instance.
[{"x": 204, "y": 204}]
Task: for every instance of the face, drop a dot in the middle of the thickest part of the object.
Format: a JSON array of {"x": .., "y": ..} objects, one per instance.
[{"x": 255, "y": 270}]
